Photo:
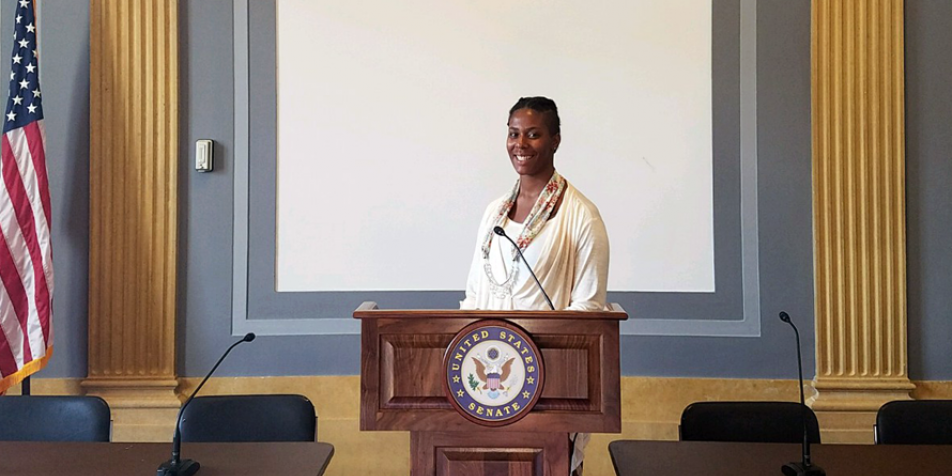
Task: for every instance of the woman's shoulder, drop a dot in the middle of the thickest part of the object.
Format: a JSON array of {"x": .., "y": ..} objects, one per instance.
[
  {"x": 582, "y": 216},
  {"x": 580, "y": 204}
]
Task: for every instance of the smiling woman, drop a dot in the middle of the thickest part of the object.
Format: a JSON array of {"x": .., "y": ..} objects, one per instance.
[{"x": 559, "y": 231}]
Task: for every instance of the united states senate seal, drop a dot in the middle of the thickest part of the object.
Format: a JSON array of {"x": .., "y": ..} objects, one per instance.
[{"x": 494, "y": 373}]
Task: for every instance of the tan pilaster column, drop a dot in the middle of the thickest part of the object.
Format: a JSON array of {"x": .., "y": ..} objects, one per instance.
[
  {"x": 858, "y": 213},
  {"x": 133, "y": 213}
]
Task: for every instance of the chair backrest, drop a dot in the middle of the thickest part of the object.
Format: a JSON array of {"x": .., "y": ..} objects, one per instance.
[
  {"x": 54, "y": 418},
  {"x": 238, "y": 418},
  {"x": 915, "y": 422},
  {"x": 764, "y": 422}
]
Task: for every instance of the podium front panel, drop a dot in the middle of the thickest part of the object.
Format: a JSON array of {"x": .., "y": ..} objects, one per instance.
[{"x": 401, "y": 371}]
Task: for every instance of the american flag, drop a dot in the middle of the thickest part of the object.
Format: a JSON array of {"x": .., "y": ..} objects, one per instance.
[{"x": 26, "y": 256}]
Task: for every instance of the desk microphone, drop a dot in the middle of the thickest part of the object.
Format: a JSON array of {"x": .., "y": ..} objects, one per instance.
[
  {"x": 499, "y": 231},
  {"x": 176, "y": 466},
  {"x": 804, "y": 467}
]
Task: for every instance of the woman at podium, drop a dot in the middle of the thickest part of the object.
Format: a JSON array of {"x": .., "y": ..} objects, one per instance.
[{"x": 558, "y": 230}]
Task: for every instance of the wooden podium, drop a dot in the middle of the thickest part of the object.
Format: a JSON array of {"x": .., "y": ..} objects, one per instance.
[{"x": 403, "y": 387}]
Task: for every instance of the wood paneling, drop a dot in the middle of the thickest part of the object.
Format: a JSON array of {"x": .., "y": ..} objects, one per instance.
[
  {"x": 483, "y": 453},
  {"x": 401, "y": 372}
]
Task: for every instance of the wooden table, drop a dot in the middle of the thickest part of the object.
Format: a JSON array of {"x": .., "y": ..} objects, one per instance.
[
  {"x": 662, "y": 458},
  {"x": 81, "y": 459}
]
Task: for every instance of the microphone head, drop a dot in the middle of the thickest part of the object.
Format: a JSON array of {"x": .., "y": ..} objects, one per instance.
[
  {"x": 499, "y": 231},
  {"x": 784, "y": 316},
  {"x": 249, "y": 337}
]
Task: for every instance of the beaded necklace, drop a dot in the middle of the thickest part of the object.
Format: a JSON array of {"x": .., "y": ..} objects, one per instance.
[{"x": 537, "y": 218}]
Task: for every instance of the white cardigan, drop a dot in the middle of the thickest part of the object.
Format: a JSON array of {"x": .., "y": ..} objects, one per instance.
[{"x": 572, "y": 262}]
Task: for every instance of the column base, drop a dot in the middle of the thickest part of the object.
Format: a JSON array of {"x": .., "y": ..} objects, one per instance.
[
  {"x": 142, "y": 410},
  {"x": 846, "y": 408}
]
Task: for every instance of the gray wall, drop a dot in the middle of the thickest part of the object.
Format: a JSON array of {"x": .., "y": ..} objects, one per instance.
[
  {"x": 784, "y": 201},
  {"x": 208, "y": 96},
  {"x": 929, "y": 187}
]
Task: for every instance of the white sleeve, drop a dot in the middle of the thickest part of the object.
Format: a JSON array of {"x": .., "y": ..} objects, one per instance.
[
  {"x": 472, "y": 283},
  {"x": 589, "y": 291},
  {"x": 470, "y": 301}
]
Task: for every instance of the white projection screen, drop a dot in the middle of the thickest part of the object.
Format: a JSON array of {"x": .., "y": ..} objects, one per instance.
[{"x": 392, "y": 128}]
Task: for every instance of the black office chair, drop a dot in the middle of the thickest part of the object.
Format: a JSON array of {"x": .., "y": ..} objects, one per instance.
[
  {"x": 249, "y": 418},
  {"x": 914, "y": 422},
  {"x": 54, "y": 418},
  {"x": 753, "y": 422}
]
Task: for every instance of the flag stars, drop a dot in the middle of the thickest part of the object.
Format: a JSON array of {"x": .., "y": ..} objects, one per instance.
[{"x": 24, "y": 64}]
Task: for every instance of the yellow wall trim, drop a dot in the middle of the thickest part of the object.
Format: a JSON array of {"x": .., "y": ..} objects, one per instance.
[{"x": 651, "y": 409}]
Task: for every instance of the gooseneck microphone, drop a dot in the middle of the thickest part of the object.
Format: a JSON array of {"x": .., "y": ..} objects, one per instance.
[
  {"x": 804, "y": 467},
  {"x": 178, "y": 467},
  {"x": 499, "y": 231}
]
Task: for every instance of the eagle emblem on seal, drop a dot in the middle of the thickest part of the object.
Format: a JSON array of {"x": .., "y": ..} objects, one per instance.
[{"x": 489, "y": 370}]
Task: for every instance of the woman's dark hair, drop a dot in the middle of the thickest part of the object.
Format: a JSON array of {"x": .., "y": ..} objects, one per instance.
[{"x": 544, "y": 105}]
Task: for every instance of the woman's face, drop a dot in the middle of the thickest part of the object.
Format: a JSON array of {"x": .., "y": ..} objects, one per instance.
[{"x": 530, "y": 144}]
